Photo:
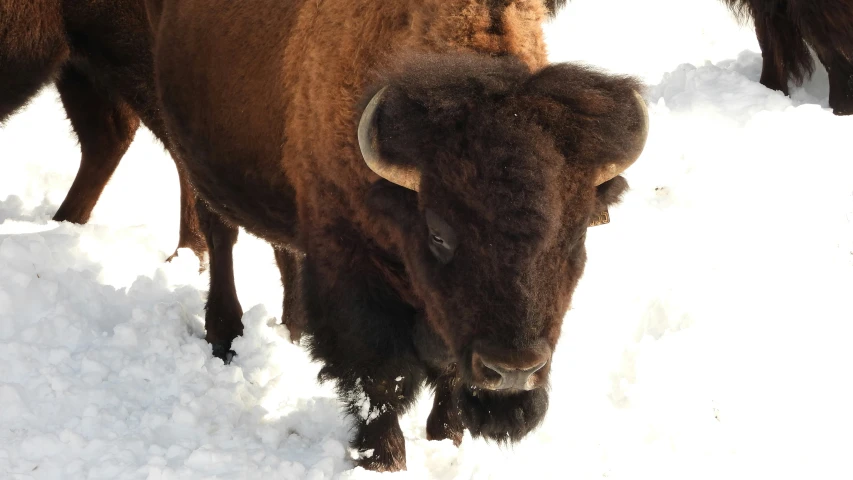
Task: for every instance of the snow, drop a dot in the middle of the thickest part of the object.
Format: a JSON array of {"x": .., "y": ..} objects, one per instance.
[{"x": 709, "y": 337}]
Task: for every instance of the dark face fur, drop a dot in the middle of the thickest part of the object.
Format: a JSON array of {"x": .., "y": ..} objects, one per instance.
[{"x": 493, "y": 241}]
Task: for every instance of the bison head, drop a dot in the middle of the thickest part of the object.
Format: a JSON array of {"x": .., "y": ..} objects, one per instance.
[{"x": 493, "y": 174}]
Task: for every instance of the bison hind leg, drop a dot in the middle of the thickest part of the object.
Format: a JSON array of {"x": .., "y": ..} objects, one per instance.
[
  {"x": 105, "y": 126},
  {"x": 189, "y": 234},
  {"x": 290, "y": 263}
]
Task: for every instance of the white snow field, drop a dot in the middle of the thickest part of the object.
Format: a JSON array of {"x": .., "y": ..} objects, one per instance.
[{"x": 709, "y": 338}]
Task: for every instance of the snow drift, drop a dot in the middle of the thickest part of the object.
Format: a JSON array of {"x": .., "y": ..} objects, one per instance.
[{"x": 709, "y": 337}]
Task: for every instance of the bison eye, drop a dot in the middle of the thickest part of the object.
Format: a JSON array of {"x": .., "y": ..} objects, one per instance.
[{"x": 442, "y": 238}]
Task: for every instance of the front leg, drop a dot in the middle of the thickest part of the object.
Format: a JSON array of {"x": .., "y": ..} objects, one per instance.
[
  {"x": 223, "y": 313},
  {"x": 376, "y": 406},
  {"x": 445, "y": 420},
  {"x": 362, "y": 332}
]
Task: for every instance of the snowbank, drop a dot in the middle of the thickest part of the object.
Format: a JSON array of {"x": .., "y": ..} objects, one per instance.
[{"x": 708, "y": 338}]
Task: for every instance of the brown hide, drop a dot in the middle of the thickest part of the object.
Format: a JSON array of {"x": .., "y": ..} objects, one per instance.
[
  {"x": 32, "y": 47},
  {"x": 282, "y": 59},
  {"x": 225, "y": 64}
]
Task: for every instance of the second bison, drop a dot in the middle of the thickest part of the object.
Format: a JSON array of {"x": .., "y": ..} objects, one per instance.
[{"x": 787, "y": 28}]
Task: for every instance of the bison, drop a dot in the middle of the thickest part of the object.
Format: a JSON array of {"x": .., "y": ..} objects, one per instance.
[
  {"x": 787, "y": 28},
  {"x": 427, "y": 177},
  {"x": 99, "y": 56}
]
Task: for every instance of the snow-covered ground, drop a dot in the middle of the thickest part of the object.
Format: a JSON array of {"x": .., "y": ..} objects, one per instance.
[{"x": 710, "y": 336}]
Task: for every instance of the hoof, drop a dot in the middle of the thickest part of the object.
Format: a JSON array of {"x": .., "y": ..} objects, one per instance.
[
  {"x": 381, "y": 445},
  {"x": 224, "y": 352},
  {"x": 843, "y": 111}
]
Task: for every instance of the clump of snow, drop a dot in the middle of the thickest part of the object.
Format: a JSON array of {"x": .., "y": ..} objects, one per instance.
[{"x": 708, "y": 338}]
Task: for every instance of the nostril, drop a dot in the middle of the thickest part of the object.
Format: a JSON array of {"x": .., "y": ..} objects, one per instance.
[
  {"x": 503, "y": 378},
  {"x": 495, "y": 368},
  {"x": 492, "y": 373},
  {"x": 487, "y": 375},
  {"x": 538, "y": 367}
]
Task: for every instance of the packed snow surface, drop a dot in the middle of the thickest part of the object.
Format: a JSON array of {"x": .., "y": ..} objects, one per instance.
[{"x": 709, "y": 338}]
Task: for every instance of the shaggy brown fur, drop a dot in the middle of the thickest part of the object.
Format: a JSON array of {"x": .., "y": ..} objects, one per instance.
[
  {"x": 786, "y": 28},
  {"x": 554, "y": 6},
  {"x": 99, "y": 56},
  {"x": 264, "y": 96}
]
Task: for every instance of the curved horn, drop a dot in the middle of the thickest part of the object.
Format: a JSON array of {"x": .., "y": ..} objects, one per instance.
[
  {"x": 612, "y": 170},
  {"x": 403, "y": 175}
]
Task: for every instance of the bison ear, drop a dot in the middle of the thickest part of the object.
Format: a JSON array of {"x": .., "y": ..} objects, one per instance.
[{"x": 597, "y": 119}]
